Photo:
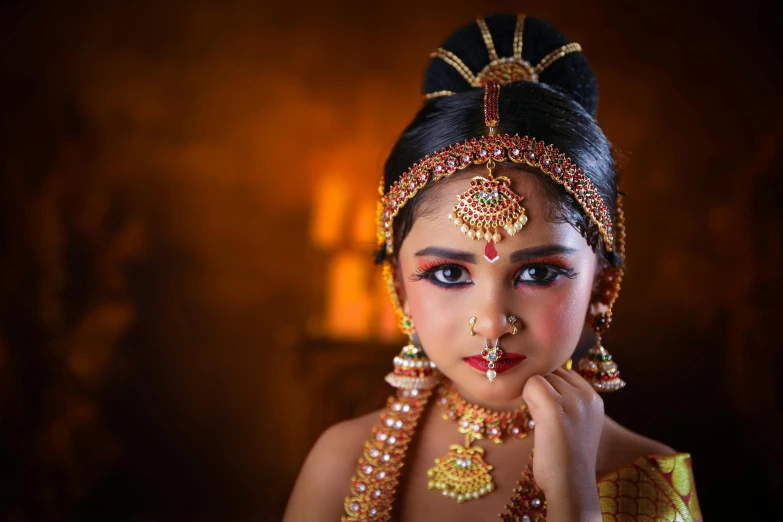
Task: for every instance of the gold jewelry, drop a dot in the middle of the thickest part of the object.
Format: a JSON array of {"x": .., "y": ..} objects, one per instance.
[
  {"x": 597, "y": 366},
  {"x": 489, "y": 203},
  {"x": 462, "y": 474},
  {"x": 513, "y": 320},
  {"x": 412, "y": 369},
  {"x": 438, "y": 94},
  {"x": 472, "y": 324},
  {"x": 491, "y": 355},
  {"x": 507, "y": 69},
  {"x": 500, "y": 148},
  {"x": 378, "y": 470}
]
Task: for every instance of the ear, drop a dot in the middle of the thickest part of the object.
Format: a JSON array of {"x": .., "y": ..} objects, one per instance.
[
  {"x": 399, "y": 287},
  {"x": 603, "y": 289}
]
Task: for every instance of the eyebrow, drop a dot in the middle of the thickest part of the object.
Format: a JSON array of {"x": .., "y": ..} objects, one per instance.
[
  {"x": 540, "y": 251},
  {"x": 457, "y": 255}
]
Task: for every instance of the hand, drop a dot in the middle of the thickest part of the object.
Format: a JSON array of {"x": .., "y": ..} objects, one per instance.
[{"x": 569, "y": 417}]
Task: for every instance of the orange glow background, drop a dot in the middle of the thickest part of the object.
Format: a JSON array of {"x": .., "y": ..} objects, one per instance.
[{"x": 187, "y": 199}]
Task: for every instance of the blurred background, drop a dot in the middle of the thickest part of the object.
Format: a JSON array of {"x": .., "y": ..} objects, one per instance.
[{"x": 187, "y": 201}]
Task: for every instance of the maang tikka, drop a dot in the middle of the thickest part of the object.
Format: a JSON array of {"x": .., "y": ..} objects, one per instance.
[{"x": 489, "y": 203}]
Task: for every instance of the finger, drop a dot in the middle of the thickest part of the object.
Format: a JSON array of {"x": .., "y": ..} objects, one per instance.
[
  {"x": 561, "y": 386},
  {"x": 538, "y": 394},
  {"x": 573, "y": 378},
  {"x": 583, "y": 388}
]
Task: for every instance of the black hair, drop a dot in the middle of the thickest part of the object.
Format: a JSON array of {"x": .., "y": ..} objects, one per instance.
[{"x": 559, "y": 109}]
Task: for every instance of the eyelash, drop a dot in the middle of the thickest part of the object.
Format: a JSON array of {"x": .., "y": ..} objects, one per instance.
[{"x": 427, "y": 272}]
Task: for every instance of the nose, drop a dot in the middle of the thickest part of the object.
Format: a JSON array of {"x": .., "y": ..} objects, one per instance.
[{"x": 493, "y": 324}]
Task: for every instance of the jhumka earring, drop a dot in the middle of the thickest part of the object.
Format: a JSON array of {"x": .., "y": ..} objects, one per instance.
[
  {"x": 489, "y": 203},
  {"x": 412, "y": 368},
  {"x": 597, "y": 367}
]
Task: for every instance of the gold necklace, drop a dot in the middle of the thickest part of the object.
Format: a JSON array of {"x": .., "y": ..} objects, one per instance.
[
  {"x": 462, "y": 474},
  {"x": 374, "y": 484}
]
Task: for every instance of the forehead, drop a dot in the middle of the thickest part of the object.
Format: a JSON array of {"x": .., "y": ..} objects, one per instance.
[{"x": 543, "y": 227}]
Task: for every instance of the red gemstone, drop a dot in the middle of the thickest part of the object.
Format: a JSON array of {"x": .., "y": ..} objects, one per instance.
[{"x": 490, "y": 252}]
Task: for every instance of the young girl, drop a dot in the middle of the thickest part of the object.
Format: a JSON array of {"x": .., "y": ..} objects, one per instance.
[{"x": 501, "y": 251}]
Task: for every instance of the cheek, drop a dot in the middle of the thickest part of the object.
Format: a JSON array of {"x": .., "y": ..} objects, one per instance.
[
  {"x": 435, "y": 314},
  {"x": 558, "y": 315}
]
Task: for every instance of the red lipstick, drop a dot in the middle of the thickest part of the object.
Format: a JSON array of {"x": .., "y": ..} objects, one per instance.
[{"x": 508, "y": 361}]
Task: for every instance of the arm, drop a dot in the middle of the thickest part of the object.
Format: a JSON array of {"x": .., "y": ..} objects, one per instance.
[
  {"x": 569, "y": 419},
  {"x": 324, "y": 481}
]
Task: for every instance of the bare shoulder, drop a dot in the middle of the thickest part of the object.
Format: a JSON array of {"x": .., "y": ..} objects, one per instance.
[
  {"x": 620, "y": 446},
  {"x": 325, "y": 477}
]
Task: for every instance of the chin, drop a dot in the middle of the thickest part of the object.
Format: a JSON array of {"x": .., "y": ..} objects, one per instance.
[{"x": 507, "y": 386}]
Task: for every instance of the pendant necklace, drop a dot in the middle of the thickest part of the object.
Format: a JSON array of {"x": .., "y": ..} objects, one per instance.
[{"x": 463, "y": 474}]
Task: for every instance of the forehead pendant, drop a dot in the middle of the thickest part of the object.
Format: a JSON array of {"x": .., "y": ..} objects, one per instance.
[{"x": 489, "y": 204}]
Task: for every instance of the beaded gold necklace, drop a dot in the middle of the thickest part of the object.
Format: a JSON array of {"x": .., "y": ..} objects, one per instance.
[{"x": 374, "y": 485}]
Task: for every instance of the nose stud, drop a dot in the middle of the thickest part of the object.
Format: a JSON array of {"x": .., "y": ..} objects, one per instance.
[
  {"x": 513, "y": 320},
  {"x": 472, "y": 324}
]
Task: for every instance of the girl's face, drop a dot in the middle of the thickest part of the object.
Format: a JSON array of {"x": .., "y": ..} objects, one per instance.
[{"x": 544, "y": 278}]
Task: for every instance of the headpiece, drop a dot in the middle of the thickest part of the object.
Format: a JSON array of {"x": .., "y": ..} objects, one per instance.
[{"x": 494, "y": 149}]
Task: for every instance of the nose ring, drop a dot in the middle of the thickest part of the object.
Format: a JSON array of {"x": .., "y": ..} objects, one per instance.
[
  {"x": 513, "y": 320},
  {"x": 472, "y": 324}
]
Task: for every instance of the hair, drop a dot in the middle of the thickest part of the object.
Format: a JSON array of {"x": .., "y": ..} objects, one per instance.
[{"x": 559, "y": 109}]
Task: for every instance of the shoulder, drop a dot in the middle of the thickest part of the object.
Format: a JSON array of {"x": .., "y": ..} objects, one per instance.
[
  {"x": 324, "y": 480},
  {"x": 620, "y": 446}
]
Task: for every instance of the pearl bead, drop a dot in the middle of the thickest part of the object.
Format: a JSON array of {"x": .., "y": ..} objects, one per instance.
[
  {"x": 487, "y": 235},
  {"x": 460, "y": 498},
  {"x": 464, "y": 229},
  {"x": 457, "y": 221},
  {"x": 452, "y": 494},
  {"x": 452, "y": 216},
  {"x": 523, "y": 219},
  {"x": 491, "y": 374},
  {"x": 471, "y": 234},
  {"x": 517, "y": 226},
  {"x": 496, "y": 238}
]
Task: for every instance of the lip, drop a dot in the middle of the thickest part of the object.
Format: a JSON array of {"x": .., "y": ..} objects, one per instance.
[{"x": 508, "y": 361}]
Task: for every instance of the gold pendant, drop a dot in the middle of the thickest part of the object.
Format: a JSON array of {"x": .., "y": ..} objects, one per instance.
[{"x": 462, "y": 473}]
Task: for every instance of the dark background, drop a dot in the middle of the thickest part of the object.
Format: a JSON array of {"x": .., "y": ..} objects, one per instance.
[{"x": 186, "y": 225}]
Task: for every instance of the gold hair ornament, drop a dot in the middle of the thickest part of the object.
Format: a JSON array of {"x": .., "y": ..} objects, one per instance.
[
  {"x": 501, "y": 70},
  {"x": 523, "y": 150},
  {"x": 489, "y": 203}
]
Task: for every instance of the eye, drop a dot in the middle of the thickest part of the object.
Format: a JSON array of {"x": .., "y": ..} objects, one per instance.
[
  {"x": 542, "y": 274},
  {"x": 536, "y": 273},
  {"x": 451, "y": 274}
]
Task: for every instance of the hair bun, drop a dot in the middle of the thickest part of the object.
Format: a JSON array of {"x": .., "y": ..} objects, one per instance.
[{"x": 571, "y": 73}]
